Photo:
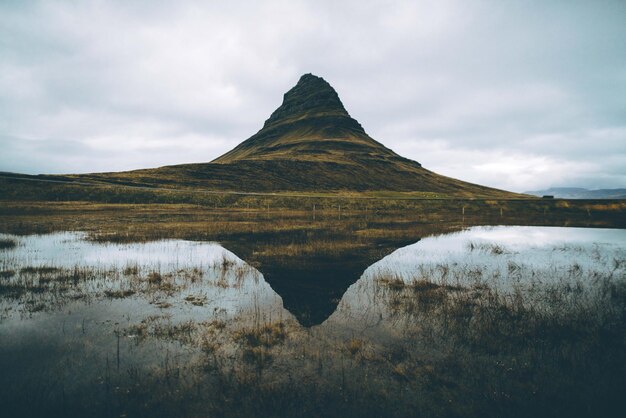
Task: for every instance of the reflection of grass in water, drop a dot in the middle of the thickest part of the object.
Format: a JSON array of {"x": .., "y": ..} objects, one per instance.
[
  {"x": 354, "y": 345},
  {"x": 161, "y": 327},
  {"x": 42, "y": 280},
  {"x": 118, "y": 294},
  {"x": 421, "y": 284},
  {"x": 315, "y": 247},
  {"x": 53, "y": 286},
  {"x": 7, "y": 274},
  {"x": 490, "y": 248},
  {"x": 7, "y": 244},
  {"x": 196, "y": 300},
  {"x": 535, "y": 344},
  {"x": 466, "y": 349},
  {"x": 40, "y": 270},
  {"x": 257, "y": 343},
  {"x": 476, "y": 353},
  {"x": 267, "y": 335},
  {"x": 416, "y": 295},
  {"x": 131, "y": 270},
  {"x": 165, "y": 283},
  {"x": 579, "y": 314},
  {"x": 468, "y": 287}
]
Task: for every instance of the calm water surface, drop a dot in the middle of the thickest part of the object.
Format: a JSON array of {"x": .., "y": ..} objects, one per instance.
[{"x": 75, "y": 312}]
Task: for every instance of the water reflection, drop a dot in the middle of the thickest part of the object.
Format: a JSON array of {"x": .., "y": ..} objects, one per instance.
[
  {"x": 311, "y": 291},
  {"x": 198, "y": 279},
  {"x": 77, "y": 316},
  {"x": 311, "y": 283},
  {"x": 94, "y": 321},
  {"x": 510, "y": 262},
  {"x": 207, "y": 280}
]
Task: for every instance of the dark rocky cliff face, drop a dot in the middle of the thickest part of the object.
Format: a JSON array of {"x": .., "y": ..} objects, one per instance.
[
  {"x": 311, "y": 123},
  {"x": 311, "y": 98}
]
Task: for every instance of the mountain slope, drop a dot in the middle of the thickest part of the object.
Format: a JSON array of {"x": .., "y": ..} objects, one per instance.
[
  {"x": 310, "y": 125},
  {"x": 310, "y": 143}
]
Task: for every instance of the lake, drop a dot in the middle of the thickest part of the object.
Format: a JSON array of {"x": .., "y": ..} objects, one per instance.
[{"x": 472, "y": 322}]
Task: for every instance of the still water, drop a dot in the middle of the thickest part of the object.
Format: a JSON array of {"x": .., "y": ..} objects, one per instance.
[{"x": 81, "y": 321}]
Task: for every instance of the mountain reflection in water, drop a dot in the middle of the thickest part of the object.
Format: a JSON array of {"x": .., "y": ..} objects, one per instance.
[
  {"x": 309, "y": 286},
  {"x": 88, "y": 314}
]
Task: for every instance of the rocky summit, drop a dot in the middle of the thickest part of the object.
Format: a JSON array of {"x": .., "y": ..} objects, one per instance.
[
  {"x": 310, "y": 143},
  {"x": 311, "y": 125},
  {"x": 312, "y": 98}
]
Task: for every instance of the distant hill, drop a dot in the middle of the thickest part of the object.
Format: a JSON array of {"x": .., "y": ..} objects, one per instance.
[
  {"x": 580, "y": 193},
  {"x": 310, "y": 143}
]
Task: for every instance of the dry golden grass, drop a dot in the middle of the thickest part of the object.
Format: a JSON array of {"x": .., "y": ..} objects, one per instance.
[
  {"x": 267, "y": 335},
  {"x": 317, "y": 247},
  {"x": 608, "y": 207}
]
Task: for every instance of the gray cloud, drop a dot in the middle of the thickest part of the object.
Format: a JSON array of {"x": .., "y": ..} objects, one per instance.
[{"x": 518, "y": 95}]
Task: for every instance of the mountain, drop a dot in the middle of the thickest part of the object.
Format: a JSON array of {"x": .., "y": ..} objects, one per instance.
[
  {"x": 310, "y": 143},
  {"x": 311, "y": 125},
  {"x": 580, "y": 193}
]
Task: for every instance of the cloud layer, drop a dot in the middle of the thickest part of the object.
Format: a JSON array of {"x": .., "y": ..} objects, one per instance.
[{"x": 518, "y": 95}]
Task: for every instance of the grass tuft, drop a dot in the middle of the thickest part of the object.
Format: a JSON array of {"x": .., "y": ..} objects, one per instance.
[{"x": 7, "y": 244}]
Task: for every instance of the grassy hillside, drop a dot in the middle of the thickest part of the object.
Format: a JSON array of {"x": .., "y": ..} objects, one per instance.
[{"x": 285, "y": 175}]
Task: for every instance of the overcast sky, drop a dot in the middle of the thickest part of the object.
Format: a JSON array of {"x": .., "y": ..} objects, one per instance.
[{"x": 519, "y": 95}]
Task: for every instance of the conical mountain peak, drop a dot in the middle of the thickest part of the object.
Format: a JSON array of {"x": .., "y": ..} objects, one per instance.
[
  {"x": 310, "y": 124},
  {"x": 311, "y": 97}
]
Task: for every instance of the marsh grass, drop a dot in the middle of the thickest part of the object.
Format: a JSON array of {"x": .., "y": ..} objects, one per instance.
[
  {"x": 490, "y": 248},
  {"x": 196, "y": 300},
  {"x": 7, "y": 274},
  {"x": 482, "y": 317},
  {"x": 131, "y": 270},
  {"x": 163, "y": 327},
  {"x": 118, "y": 294},
  {"x": 40, "y": 270},
  {"x": 53, "y": 287},
  {"x": 354, "y": 346},
  {"x": 465, "y": 350},
  {"x": 472, "y": 350},
  {"x": 415, "y": 295},
  {"x": 7, "y": 244},
  {"x": 266, "y": 335},
  {"x": 45, "y": 281},
  {"x": 317, "y": 247},
  {"x": 458, "y": 347}
]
